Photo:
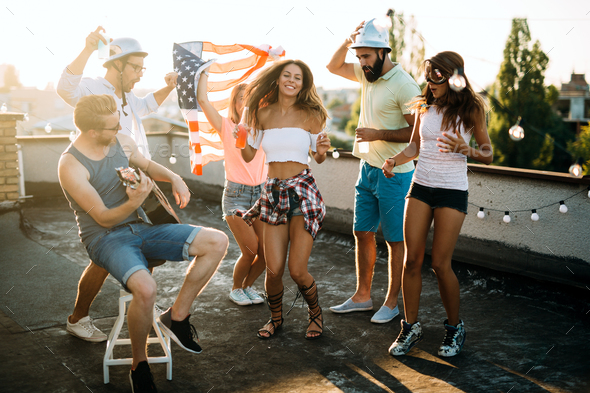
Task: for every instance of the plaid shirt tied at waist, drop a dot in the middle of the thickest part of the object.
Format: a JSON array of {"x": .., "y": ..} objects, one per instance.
[{"x": 272, "y": 212}]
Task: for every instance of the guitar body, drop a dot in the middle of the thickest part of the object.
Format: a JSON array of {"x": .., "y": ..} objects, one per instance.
[{"x": 156, "y": 205}]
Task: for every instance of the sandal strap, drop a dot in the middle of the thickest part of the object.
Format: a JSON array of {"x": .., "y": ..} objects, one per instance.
[
  {"x": 313, "y": 319},
  {"x": 275, "y": 302}
]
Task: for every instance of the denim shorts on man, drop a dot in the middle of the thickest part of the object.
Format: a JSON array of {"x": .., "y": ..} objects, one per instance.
[
  {"x": 238, "y": 196},
  {"x": 378, "y": 199},
  {"x": 440, "y": 197},
  {"x": 125, "y": 249}
]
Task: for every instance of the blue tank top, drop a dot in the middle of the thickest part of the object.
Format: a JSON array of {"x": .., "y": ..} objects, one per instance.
[{"x": 105, "y": 180}]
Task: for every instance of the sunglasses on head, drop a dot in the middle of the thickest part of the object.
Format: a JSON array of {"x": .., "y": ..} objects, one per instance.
[{"x": 437, "y": 77}]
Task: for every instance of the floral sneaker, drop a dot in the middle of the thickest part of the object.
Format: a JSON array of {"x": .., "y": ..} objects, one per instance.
[{"x": 453, "y": 341}]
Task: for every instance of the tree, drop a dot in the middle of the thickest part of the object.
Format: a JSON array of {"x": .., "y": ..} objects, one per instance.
[
  {"x": 355, "y": 112},
  {"x": 402, "y": 30},
  {"x": 10, "y": 78},
  {"x": 519, "y": 90},
  {"x": 334, "y": 103},
  {"x": 580, "y": 148}
]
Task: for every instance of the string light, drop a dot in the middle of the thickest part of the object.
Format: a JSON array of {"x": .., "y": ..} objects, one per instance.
[
  {"x": 534, "y": 216},
  {"x": 72, "y": 136},
  {"x": 457, "y": 80},
  {"x": 4, "y": 108},
  {"x": 172, "y": 159},
  {"x": 26, "y": 117},
  {"x": 576, "y": 169},
  {"x": 335, "y": 154},
  {"x": 588, "y": 191},
  {"x": 516, "y": 131},
  {"x": 506, "y": 218},
  {"x": 562, "y": 207},
  {"x": 48, "y": 128},
  {"x": 480, "y": 214}
]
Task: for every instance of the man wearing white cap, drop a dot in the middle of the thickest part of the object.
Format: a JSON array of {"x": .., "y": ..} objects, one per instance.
[
  {"x": 385, "y": 127},
  {"x": 124, "y": 69}
]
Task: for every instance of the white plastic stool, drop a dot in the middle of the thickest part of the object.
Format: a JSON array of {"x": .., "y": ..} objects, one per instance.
[{"x": 114, "y": 339}]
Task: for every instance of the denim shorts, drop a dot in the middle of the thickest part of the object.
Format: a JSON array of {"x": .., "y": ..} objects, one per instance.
[
  {"x": 378, "y": 200},
  {"x": 294, "y": 207},
  {"x": 440, "y": 197},
  {"x": 125, "y": 249},
  {"x": 238, "y": 196}
]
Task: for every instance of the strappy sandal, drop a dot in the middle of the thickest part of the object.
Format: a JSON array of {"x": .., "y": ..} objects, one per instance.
[
  {"x": 275, "y": 304},
  {"x": 310, "y": 294}
]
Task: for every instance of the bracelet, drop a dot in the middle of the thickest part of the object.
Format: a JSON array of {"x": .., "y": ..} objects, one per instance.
[
  {"x": 394, "y": 162},
  {"x": 205, "y": 72}
]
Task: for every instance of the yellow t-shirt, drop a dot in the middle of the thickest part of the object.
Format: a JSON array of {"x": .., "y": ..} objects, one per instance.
[{"x": 383, "y": 106}]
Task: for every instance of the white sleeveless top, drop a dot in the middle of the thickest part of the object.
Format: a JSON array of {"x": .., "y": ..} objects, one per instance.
[
  {"x": 285, "y": 144},
  {"x": 437, "y": 169}
]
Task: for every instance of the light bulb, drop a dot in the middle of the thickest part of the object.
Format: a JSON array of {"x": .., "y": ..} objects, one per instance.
[
  {"x": 72, "y": 136},
  {"x": 48, "y": 128},
  {"x": 480, "y": 214},
  {"x": 457, "y": 81},
  {"x": 172, "y": 159},
  {"x": 562, "y": 207},
  {"x": 534, "y": 216},
  {"x": 26, "y": 117},
  {"x": 576, "y": 170},
  {"x": 4, "y": 108},
  {"x": 308, "y": 159},
  {"x": 516, "y": 131},
  {"x": 588, "y": 191},
  {"x": 335, "y": 154},
  {"x": 506, "y": 218}
]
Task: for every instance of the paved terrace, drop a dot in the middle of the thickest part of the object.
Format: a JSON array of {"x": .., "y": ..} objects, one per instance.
[{"x": 523, "y": 335}]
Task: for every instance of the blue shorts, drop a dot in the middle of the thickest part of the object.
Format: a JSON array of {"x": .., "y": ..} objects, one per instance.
[
  {"x": 294, "y": 206},
  {"x": 378, "y": 199},
  {"x": 238, "y": 196},
  {"x": 124, "y": 250}
]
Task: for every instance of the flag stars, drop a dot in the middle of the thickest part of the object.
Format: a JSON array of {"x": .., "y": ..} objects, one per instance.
[
  {"x": 190, "y": 85},
  {"x": 184, "y": 92},
  {"x": 184, "y": 61},
  {"x": 178, "y": 57},
  {"x": 190, "y": 99},
  {"x": 187, "y": 67},
  {"x": 176, "y": 69},
  {"x": 192, "y": 73},
  {"x": 184, "y": 79}
]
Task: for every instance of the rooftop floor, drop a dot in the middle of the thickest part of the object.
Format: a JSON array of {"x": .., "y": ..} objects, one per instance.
[{"x": 523, "y": 335}]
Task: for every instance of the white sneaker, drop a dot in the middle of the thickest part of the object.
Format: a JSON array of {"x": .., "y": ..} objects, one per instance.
[
  {"x": 408, "y": 337},
  {"x": 253, "y": 296},
  {"x": 454, "y": 339},
  {"x": 86, "y": 330},
  {"x": 239, "y": 297}
]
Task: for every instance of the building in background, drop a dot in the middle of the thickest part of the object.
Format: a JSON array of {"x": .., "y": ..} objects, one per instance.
[{"x": 573, "y": 104}]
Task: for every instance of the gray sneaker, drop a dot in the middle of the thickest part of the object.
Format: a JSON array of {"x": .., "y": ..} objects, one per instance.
[
  {"x": 239, "y": 297},
  {"x": 86, "y": 330},
  {"x": 453, "y": 341},
  {"x": 254, "y": 297},
  {"x": 350, "y": 306},
  {"x": 408, "y": 337}
]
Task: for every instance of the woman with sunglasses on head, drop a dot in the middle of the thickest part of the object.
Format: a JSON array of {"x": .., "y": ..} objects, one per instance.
[
  {"x": 286, "y": 120},
  {"x": 445, "y": 121},
  {"x": 243, "y": 183}
]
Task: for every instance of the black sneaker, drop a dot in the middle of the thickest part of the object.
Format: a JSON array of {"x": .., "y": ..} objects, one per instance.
[
  {"x": 141, "y": 379},
  {"x": 181, "y": 332}
]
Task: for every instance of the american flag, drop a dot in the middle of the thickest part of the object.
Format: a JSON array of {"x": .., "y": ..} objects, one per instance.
[{"x": 246, "y": 60}]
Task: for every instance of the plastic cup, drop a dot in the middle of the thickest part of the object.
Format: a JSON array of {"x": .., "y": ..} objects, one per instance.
[
  {"x": 242, "y": 131},
  {"x": 104, "y": 50},
  {"x": 363, "y": 147}
]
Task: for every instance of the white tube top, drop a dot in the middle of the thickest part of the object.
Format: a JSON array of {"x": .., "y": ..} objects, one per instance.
[{"x": 285, "y": 144}]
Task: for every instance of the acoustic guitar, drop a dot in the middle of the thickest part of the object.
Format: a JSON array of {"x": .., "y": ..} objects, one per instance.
[{"x": 156, "y": 205}]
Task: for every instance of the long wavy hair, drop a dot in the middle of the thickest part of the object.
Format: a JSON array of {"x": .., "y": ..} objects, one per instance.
[
  {"x": 264, "y": 91},
  {"x": 233, "y": 98},
  {"x": 464, "y": 107}
]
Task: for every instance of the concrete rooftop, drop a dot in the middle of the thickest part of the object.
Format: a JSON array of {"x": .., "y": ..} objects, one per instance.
[{"x": 523, "y": 335}]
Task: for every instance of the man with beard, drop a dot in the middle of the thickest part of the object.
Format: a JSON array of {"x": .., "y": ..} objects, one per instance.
[
  {"x": 124, "y": 69},
  {"x": 385, "y": 124}
]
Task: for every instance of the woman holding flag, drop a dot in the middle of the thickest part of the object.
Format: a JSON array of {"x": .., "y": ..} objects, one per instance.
[
  {"x": 286, "y": 120},
  {"x": 243, "y": 184}
]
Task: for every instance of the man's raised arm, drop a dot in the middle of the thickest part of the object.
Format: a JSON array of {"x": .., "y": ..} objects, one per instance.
[{"x": 338, "y": 65}]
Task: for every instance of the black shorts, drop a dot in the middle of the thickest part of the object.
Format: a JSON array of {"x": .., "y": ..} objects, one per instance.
[{"x": 439, "y": 197}]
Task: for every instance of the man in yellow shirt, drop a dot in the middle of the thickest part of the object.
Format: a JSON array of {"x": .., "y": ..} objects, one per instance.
[{"x": 385, "y": 125}]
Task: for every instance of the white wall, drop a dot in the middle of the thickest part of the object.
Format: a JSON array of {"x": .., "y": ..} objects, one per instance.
[{"x": 556, "y": 247}]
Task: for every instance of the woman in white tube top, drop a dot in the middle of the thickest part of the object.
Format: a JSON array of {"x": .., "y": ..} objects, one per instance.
[
  {"x": 286, "y": 120},
  {"x": 445, "y": 121}
]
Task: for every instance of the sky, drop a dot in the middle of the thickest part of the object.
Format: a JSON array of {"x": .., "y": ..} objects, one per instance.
[{"x": 41, "y": 37}]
